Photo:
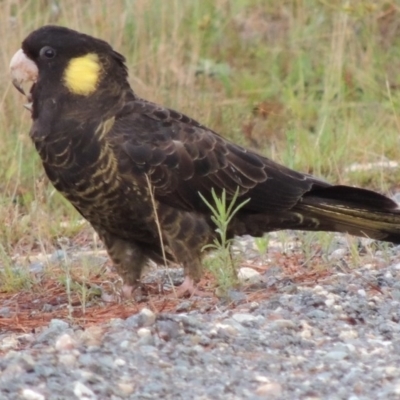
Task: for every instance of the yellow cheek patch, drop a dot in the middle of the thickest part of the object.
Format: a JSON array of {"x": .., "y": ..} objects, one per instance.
[{"x": 82, "y": 74}]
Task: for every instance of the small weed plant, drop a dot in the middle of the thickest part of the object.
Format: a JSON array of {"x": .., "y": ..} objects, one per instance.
[{"x": 221, "y": 264}]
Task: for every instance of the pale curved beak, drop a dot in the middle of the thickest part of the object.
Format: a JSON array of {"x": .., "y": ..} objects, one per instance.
[{"x": 23, "y": 71}]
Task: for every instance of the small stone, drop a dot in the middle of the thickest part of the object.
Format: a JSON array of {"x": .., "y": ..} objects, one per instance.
[
  {"x": 81, "y": 391},
  {"x": 146, "y": 337},
  {"x": 388, "y": 275},
  {"x": 87, "y": 359},
  {"x": 204, "y": 340},
  {"x": 58, "y": 324},
  {"x": 392, "y": 371},
  {"x": 88, "y": 376},
  {"x": 253, "y": 305},
  {"x": 190, "y": 322},
  {"x": 244, "y": 318},
  {"x": 117, "y": 323},
  {"x": 225, "y": 329},
  {"x": 351, "y": 347},
  {"x": 348, "y": 334},
  {"x": 330, "y": 302},
  {"x": 318, "y": 314},
  {"x": 30, "y": 394},
  {"x": 65, "y": 342},
  {"x": 198, "y": 349},
  {"x": 319, "y": 290},
  {"x": 249, "y": 276},
  {"x": 168, "y": 329},
  {"x": 144, "y": 332},
  {"x": 306, "y": 334},
  {"x": 236, "y": 296},
  {"x": 336, "y": 355},
  {"x": 282, "y": 324},
  {"x": 270, "y": 390},
  {"x": 119, "y": 362},
  {"x": 337, "y": 254},
  {"x": 146, "y": 317},
  {"x": 47, "y": 308},
  {"x": 132, "y": 321},
  {"x": 69, "y": 360},
  {"x": 164, "y": 364},
  {"x": 126, "y": 388},
  {"x": 106, "y": 361}
]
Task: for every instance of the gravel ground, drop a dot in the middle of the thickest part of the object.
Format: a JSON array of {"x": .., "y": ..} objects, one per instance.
[{"x": 334, "y": 340}]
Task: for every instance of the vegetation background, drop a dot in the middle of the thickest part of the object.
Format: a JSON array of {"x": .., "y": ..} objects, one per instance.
[{"x": 313, "y": 84}]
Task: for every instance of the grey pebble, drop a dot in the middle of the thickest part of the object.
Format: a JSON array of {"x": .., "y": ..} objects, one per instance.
[
  {"x": 336, "y": 355},
  {"x": 132, "y": 322},
  {"x": 55, "y": 328},
  {"x": 247, "y": 319},
  {"x": 146, "y": 337},
  {"x": 281, "y": 324},
  {"x": 82, "y": 392},
  {"x": 31, "y": 394},
  {"x": 58, "y": 324},
  {"x": 146, "y": 317},
  {"x": 235, "y": 296},
  {"x": 337, "y": 254},
  {"x": 168, "y": 329},
  {"x": 318, "y": 314}
]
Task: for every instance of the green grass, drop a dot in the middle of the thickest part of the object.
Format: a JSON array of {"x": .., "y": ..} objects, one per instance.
[{"x": 331, "y": 66}]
